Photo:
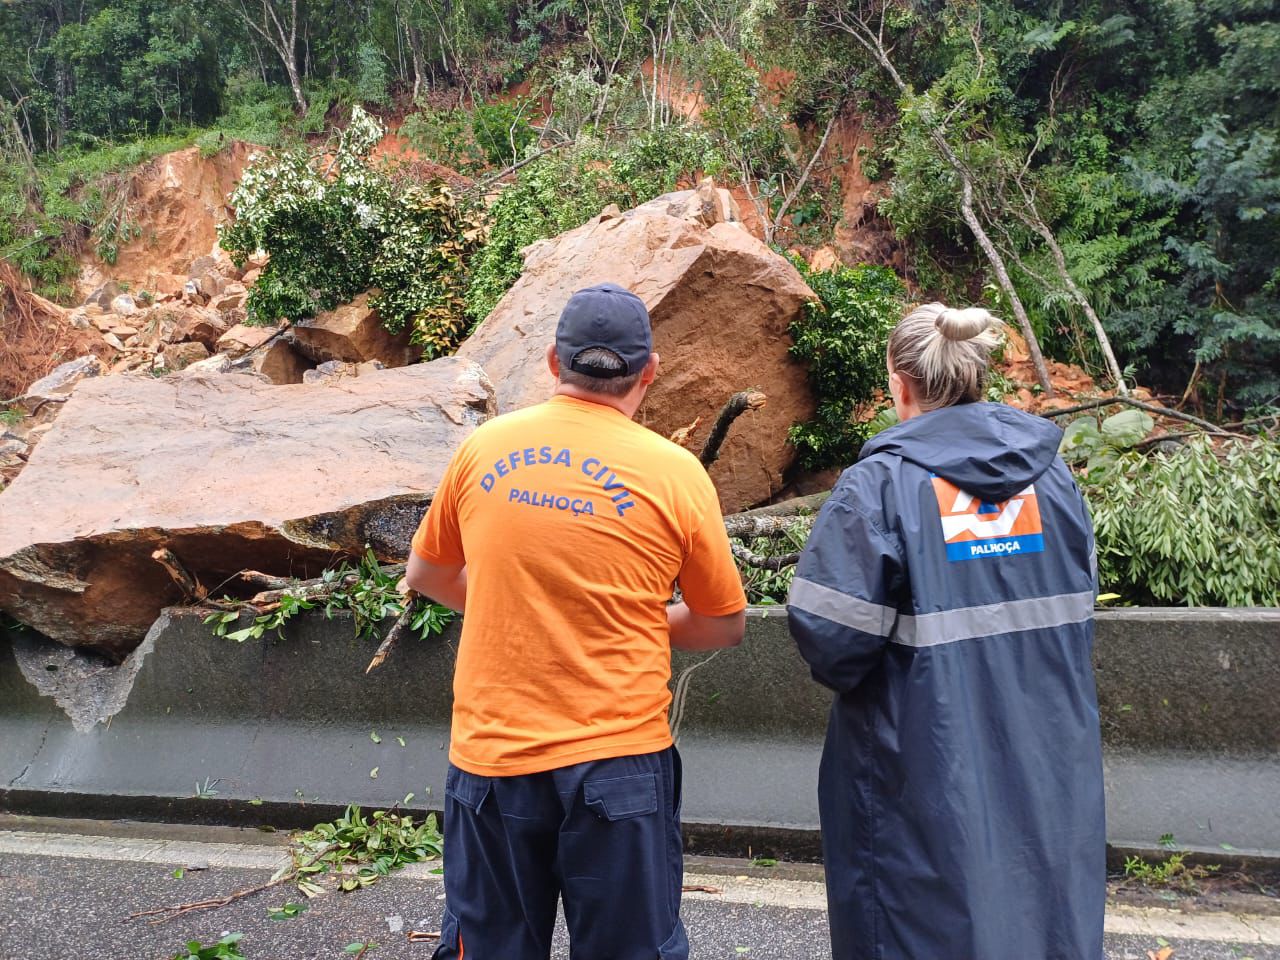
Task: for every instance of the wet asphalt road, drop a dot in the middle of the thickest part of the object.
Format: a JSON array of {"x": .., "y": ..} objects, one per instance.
[{"x": 76, "y": 908}]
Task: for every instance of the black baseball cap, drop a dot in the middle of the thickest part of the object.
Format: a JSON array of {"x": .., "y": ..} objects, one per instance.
[{"x": 607, "y": 316}]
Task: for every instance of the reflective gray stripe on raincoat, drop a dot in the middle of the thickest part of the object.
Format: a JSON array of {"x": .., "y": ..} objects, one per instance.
[{"x": 946, "y": 594}]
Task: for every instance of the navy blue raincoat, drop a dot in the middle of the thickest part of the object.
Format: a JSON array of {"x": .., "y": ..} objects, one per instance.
[{"x": 946, "y": 595}]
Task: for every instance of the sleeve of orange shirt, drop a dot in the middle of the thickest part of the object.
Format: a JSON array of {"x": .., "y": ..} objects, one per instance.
[
  {"x": 438, "y": 539},
  {"x": 709, "y": 579}
]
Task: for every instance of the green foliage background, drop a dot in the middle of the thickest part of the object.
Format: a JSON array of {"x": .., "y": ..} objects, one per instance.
[{"x": 843, "y": 337}]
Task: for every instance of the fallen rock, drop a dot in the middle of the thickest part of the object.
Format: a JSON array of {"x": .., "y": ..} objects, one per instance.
[
  {"x": 332, "y": 371},
  {"x": 218, "y": 363},
  {"x": 721, "y": 303},
  {"x": 124, "y": 305},
  {"x": 102, "y": 296},
  {"x": 825, "y": 258},
  {"x": 192, "y": 293},
  {"x": 202, "y": 326},
  {"x": 242, "y": 338},
  {"x": 351, "y": 333},
  {"x": 707, "y": 205},
  {"x": 229, "y": 303},
  {"x": 289, "y": 478},
  {"x": 178, "y": 356},
  {"x": 281, "y": 364},
  {"x": 114, "y": 342},
  {"x": 59, "y": 383}
]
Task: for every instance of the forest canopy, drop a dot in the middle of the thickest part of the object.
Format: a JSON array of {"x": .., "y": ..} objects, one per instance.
[{"x": 1120, "y": 157}]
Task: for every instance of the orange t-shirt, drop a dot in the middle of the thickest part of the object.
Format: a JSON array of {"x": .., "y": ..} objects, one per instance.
[{"x": 574, "y": 522}]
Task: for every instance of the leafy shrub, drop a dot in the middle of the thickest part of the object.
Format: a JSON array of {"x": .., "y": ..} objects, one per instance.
[
  {"x": 496, "y": 134},
  {"x": 563, "y": 190},
  {"x": 501, "y": 131},
  {"x": 1099, "y": 445},
  {"x": 335, "y": 225},
  {"x": 1199, "y": 526},
  {"x": 444, "y": 136},
  {"x": 843, "y": 337}
]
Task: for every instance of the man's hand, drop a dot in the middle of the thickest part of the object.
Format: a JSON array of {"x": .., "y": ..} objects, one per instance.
[
  {"x": 693, "y": 631},
  {"x": 443, "y": 584}
]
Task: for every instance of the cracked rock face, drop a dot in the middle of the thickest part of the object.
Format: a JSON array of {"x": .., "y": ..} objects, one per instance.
[
  {"x": 721, "y": 303},
  {"x": 229, "y": 473}
]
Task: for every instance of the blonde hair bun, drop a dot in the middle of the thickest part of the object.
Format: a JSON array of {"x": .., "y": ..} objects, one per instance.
[{"x": 964, "y": 324}]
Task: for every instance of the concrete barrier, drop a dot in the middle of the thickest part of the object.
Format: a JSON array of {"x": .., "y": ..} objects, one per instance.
[{"x": 283, "y": 731}]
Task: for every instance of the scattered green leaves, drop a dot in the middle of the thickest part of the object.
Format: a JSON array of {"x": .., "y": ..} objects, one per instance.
[
  {"x": 286, "y": 911},
  {"x": 360, "y": 850},
  {"x": 225, "y": 949}
]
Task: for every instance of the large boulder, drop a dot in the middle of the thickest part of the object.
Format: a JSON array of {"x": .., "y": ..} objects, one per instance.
[
  {"x": 351, "y": 333},
  {"x": 721, "y": 304},
  {"x": 228, "y": 472},
  {"x": 57, "y": 385}
]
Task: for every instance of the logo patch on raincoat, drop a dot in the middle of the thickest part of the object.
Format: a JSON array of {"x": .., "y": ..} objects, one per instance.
[{"x": 975, "y": 530}]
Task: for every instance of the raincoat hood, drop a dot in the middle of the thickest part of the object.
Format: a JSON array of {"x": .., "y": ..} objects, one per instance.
[{"x": 988, "y": 449}]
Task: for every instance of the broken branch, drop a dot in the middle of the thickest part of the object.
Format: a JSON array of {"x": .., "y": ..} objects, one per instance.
[
  {"x": 765, "y": 563},
  {"x": 738, "y": 404},
  {"x": 187, "y": 583},
  {"x": 744, "y": 526},
  {"x": 1149, "y": 407},
  {"x": 411, "y": 599},
  {"x": 163, "y": 914}
]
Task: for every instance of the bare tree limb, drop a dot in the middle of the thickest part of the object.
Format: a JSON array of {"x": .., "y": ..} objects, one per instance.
[
  {"x": 744, "y": 527},
  {"x": 186, "y": 581},
  {"x": 804, "y": 177},
  {"x": 1204, "y": 425},
  {"x": 411, "y": 602},
  {"x": 744, "y": 555},
  {"x": 738, "y": 404}
]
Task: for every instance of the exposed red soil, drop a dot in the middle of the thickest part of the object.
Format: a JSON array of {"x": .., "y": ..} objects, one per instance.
[
  {"x": 177, "y": 200},
  {"x": 35, "y": 335}
]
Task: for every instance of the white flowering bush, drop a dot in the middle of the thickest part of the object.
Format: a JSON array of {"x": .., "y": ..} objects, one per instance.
[{"x": 334, "y": 225}]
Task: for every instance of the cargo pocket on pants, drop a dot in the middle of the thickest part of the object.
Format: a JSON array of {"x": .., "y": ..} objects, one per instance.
[
  {"x": 677, "y": 945},
  {"x": 622, "y": 798},
  {"x": 467, "y": 788},
  {"x": 448, "y": 948}
]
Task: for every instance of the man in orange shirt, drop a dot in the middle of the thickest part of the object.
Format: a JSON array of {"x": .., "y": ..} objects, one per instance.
[{"x": 560, "y": 531}]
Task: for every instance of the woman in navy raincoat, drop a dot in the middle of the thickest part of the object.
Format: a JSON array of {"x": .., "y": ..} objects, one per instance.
[{"x": 946, "y": 595}]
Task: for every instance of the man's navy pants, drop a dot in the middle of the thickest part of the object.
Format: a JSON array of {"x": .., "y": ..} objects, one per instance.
[{"x": 604, "y": 834}]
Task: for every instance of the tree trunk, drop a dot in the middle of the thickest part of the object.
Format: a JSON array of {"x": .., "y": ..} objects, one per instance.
[
  {"x": 1002, "y": 276},
  {"x": 1060, "y": 261},
  {"x": 873, "y": 42}
]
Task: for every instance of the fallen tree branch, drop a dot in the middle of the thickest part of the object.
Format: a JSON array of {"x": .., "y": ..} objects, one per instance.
[
  {"x": 266, "y": 581},
  {"x": 744, "y": 526},
  {"x": 40, "y": 403},
  {"x": 186, "y": 581},
  {"x": 795, "y": 507},
  {"x": 164, "y": 914},
  {"x": 764, "y": 563},
  {"x": 316, "y": 588},
  {"x": 487, "y": 181},
  {"x": 738, "y": 404},
  {"x": 1149, "y": 407},
  {"x": 411, "y": 598}
]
